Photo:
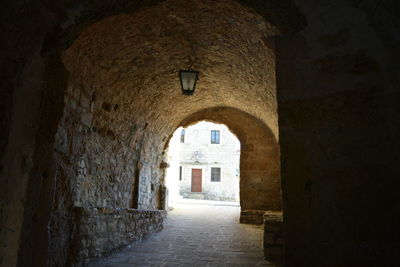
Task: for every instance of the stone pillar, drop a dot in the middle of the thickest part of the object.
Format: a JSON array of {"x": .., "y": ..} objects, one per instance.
[
  {"x": 164, "y": 197},
  {"x": 273, "y": 241}
]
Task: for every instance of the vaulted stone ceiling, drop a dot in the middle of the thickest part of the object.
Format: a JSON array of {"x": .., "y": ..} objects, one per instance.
[{"x": 131, "y": 62}]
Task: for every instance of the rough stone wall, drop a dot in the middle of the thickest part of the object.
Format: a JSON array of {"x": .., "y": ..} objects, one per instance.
[
  {"x": 26, "y": 165},
  {"x": 337, "y": 113},
  {"x": 103, "y": 230},
  {"x": 111, "y": 155},
  {"x": 103, "y": 162}
]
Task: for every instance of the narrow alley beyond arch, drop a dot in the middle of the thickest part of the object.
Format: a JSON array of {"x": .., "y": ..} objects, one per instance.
[{"x": 200, "y": 234}]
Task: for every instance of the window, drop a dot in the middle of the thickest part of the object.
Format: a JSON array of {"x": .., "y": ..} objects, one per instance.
[
  {"x": 214, "y": 137},
  {"x": 215, "y": 174},
  {"x": 180, "y": 173},
  {"x": 183, "y": 136}
]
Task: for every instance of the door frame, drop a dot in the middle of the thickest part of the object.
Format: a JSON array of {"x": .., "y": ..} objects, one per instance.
[{"x": 201, "y": 180}]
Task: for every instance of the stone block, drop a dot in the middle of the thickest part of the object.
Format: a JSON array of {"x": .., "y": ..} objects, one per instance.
[
  {"x": 87, "y": 118},
  {"x": 273, "y": 241},
  {"x": 85, "y": 101},
  {"x": 252, "y": 216},
  {"x": 61, "y": 140}
]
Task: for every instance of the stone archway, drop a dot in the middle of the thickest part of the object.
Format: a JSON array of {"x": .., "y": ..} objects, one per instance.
[
  {"x": 337, "y": 138},
  {"x": 123, "y": 101},
  {"x": 112, "y": 104},
  {"x": 260, "y": 184}
]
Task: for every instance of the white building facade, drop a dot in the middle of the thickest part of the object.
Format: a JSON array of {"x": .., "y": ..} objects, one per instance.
[{"x": 208, "y": 164}]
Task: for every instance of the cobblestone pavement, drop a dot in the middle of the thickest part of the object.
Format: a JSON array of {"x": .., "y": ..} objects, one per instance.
[{"x": 195, "y": 235}]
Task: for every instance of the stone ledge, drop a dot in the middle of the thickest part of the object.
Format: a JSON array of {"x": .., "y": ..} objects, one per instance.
[
  {"x": 101, "y": 231},
  {"x": 101, "y": 210},
  {"x": 252, "y": 216}
]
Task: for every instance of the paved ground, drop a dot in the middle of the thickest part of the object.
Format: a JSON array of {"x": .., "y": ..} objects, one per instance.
[{"x": 195, "y": 234}]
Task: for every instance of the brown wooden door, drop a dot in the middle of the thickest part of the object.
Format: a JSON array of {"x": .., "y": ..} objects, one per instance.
[{"x": 196, "y": 180}]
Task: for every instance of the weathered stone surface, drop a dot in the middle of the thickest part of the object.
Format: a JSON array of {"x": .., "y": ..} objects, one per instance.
[
  {"x": 104, "y": 230},
  {"x": 333, "y": 116},
  {"x": 273, "y": 241},
  {"x": 116, "y": 58},
  {"x": 251, "y": 216},
  {"x": 104, "y": 155}
]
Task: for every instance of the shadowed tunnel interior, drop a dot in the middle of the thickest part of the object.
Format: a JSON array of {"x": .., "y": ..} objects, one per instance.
[
  {"x": 90, "y": 98},
  {"x": 122, "y": 104}
]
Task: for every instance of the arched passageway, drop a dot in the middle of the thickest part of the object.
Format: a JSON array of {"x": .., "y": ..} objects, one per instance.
[
  {"x": 123, "y": 102},
  {"x": 90, "y": 95}
]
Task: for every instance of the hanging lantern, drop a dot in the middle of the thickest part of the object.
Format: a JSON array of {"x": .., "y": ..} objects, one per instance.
[{"x": 188, "y": 80}]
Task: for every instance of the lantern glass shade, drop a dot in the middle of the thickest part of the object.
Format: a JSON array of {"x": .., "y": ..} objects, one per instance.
[{"x": 188, "y": 80}]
